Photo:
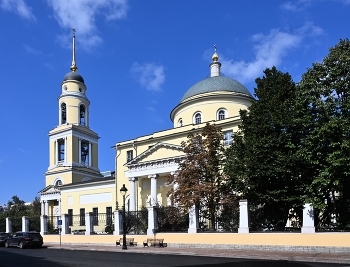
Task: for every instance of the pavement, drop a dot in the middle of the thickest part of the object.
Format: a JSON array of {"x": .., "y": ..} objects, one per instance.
[{"x": 342, "y": 258}]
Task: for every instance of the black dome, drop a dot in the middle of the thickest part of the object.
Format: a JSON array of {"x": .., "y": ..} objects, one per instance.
[{"x": 73, "y": 76}]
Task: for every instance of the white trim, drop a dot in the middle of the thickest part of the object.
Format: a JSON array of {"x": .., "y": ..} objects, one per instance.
[
  {"x": 83, "y": 187},
  {"x": 75, "y": 133},
  {"x": 194, "y": 117},
  {"x": 146, "y": 172},
  {"x": 225, "y": 113}
]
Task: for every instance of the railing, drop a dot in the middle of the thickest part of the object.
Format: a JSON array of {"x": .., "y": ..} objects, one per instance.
[
  {"x": 34, "y": 223},
  {"x": 172, "y": 219},
  {"x": 136, "y": 222},
  {"x": 103, "y": 223},
  {"x": 52, "y": 224}
]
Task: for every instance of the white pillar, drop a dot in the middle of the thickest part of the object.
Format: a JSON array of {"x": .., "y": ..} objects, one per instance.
[
  {"x": 193, "y": 224},
  {"x": 59, "y": 206},
  {"x": 8, "y": 225},
  {"x": 152, "y": 220},
  {"x": 65, "y": 224},
  {"x": 65, "y": 150},
  {"x": 42, "y": 204},
  {"x": 243, "y": 217},
  {"x": 56, "y": 152},
  {"x": 132, "y": 206},
  {"x": 89, "y": 222},
  {"x": 79, "y": 151},
  {"x": 43, "y": 224},
  {"x": 153, "y": 200},
  {"x": 118, "y": 223},
  {"x": 308, "y": 220},
  {"x": 90, "y": 154},
  {"x": 46, "y": 207},
  {"x": 25, "y": 224}
]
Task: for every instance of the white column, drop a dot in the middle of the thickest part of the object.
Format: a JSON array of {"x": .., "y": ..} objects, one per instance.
[
  {"x": 59, "y": 206},
  {"x": 65, "y": 224},
  {"x": 308, "y": 220},
  {"x": 42, "y": 212},
  {"x": 8, "y": 225},
  {"x": 132, "y": 206},
  {"x": 25, "y": 224},
  {"x": 152, "y": 220},
  {"x": 243, "y": 217},
  {"x": 153, "y": 201},
  {"x": 56, "y": 152},
  {"x": 193, "y": 224},
  {"x": 79, "y": 151},
  {"x": 46, "y": 207},
  {"x": 90, "y": 154},
  {"x": 43, "y": 224},
  {"x": 89, "y": 223},
  {"x": 65, "y": 149},
  {"x": 118, "y": 223}
]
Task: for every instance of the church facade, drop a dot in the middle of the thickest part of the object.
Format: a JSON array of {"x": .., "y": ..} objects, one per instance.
[{"x": 74, "y": 184}]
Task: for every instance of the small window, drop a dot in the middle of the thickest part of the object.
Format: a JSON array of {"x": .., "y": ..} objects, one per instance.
[
  {"x": 197, "y": 118},
  {"x": 228, "y": 138},
  {"x": 61, "y": 149},
  {"x": 95, "y": 215},
  {"x": 70, "y": 217},
  {"x": 63, "y": 113},
  {"x": 221, "y": 114},
  {"x": 82, "y": 115},
  {"x": 82, "y": 217},
  {"x": 58, "y": 183},
  {"x": 84, "y": 153},
  {"x": 109, "y": 219},
  {"x": 180, "y": 123},
  {"x": 129, "y": 155}
]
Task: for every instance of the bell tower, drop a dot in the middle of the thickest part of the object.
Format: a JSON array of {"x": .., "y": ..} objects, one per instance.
[{"x": 73, "y": 145}]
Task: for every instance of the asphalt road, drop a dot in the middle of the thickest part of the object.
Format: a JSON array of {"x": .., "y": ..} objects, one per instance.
[{"x": 13, "y": 257}]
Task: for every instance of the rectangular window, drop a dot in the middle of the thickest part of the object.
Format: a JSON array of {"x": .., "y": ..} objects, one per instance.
[
  {"x": 82, "y": 217},
  {"x": 70, "y": 217},
  {"x": 129, "y": 155},
  {"x": 109, "y": 216},
  {"x": 84, "y": 153},
  {"x": 228, "y": 138},
  {"x": 95, "y": 215},
  {"x": 61, "y": 149}
]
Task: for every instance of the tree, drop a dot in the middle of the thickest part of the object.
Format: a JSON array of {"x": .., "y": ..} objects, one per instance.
[
  {"x": 261, "y": 162},
  {"x": 323, "y": 109},
  {"x": 200, "y": 178}
]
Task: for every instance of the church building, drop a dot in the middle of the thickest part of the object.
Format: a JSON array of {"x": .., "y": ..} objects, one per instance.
[{"x": 74, "y": 184}]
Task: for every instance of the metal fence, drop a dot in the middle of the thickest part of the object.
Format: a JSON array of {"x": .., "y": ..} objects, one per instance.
[
  {"x": 52, "y": 225},
  {"x": 136, "y": 222},
  {"x": 103, "y": 223},
  {"x": 172, "y": 219},
  {"x": 34, "y": 223}
]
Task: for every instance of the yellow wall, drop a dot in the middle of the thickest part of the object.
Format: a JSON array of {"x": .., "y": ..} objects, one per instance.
[{"x": 263, "y": 239}]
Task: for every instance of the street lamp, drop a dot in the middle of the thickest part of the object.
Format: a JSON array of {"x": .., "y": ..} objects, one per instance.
[{"x": 123, "y": 191}]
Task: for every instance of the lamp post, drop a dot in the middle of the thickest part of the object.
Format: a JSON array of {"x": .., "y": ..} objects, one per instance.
[{"x": 123, "y": 191}]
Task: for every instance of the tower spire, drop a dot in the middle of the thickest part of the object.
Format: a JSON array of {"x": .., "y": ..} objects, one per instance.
[
  {"x": 215, "y": 65},
  {"x": 74, "y": 67}
]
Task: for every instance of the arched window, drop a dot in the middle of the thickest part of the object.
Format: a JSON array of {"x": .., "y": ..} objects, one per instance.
[
  {"x": 180, "y": 123},
  {"x": 221, "y": 115},
  {"x": 82, "y": 115},
  {"x": 58, "y": 183},
  {"x": 63, "y": 113},
  {"x": 198, "y": 118}
]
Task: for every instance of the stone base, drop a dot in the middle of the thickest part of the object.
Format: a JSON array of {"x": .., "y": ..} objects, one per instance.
[
  {"x": 192, "y": 230},
  {"x": 243, "y": 230},
  {"x": 308, "y": 230}
]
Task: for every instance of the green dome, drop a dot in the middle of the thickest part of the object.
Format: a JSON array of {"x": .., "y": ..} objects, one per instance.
[{"x": 215, "y": 84}]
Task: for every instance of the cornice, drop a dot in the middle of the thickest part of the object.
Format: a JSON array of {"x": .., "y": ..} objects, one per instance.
[{"x": 155, "y": 164}]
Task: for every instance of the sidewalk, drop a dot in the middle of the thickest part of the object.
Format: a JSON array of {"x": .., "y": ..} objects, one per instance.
[{"x": 226, "y": 253}]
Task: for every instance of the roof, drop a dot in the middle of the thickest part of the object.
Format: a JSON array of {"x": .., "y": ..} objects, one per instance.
[
  {"x": 214, "y": 84},
  {"x": 73, "y": 76}
]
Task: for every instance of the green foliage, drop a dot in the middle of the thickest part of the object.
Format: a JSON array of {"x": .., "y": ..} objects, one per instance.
[
  {"x": 323, "y": 109},
  {"x": 200, "y": 178},
  {"x": 172, "y": 219},
  {"x": 261, "y": 162}
]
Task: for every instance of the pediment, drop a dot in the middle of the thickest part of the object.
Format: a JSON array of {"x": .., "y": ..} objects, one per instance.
[
  {"x": 159, "y": 151},
  {"x": 49, "y": 190}
]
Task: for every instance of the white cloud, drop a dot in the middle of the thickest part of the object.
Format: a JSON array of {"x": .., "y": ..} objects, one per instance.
[
  {"x": 19, "y": 7},
  {"x": 149, "y": 75},
  {"x": 269, "y": 51},
  {"x": 31, "y": 50},
  {"x": 82, "y": 14},
  {"x": 289, "y": 6}
]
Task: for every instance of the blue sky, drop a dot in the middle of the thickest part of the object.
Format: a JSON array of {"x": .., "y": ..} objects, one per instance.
[{"x": 138, "y": 58}]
